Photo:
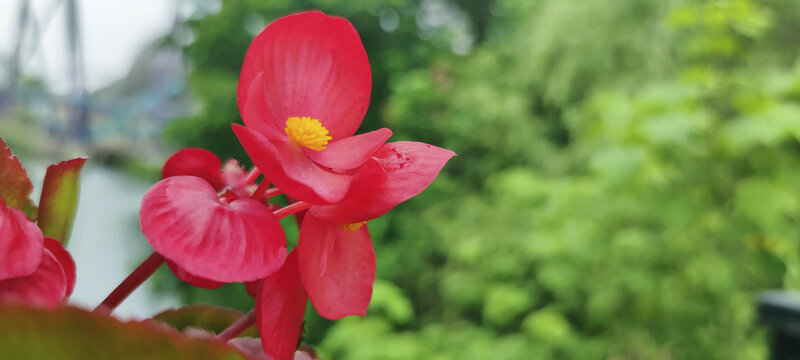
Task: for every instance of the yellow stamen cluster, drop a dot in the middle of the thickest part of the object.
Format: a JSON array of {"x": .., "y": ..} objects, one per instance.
[
  {"x": 307, "y": 132},
  {"x": 353, "y": 226}
]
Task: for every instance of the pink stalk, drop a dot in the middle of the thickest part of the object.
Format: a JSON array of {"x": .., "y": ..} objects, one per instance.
[
  {"x": 136, "y": 278},
  {"x": 238, "y": 327},
  {"x": 252, "y": 175},
  {"x": 273, "y": 192},
  {"x": 262, "y": 189},
  {"x": 291, "y": 209}
]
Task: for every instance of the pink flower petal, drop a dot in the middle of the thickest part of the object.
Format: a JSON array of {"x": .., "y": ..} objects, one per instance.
[
  {"x": 351, "y": 152},
  {"x": 195, "y": 162},
  {"x": 256, "y": 113},
  {"x": 397, "y": 172},
  {"x": 185, "y": 276},
  {"x": 21, "y": 243},
  {"x": 46, "y": 287},
  {"x": 311, "y": 65},
  {"x": 337, "y": 267},
  {"x": 183, "y": 220},
  {"x": 65, "y": 260},
  {"x": 285, "y": 165},
  {"x": 280, "y": 307}
]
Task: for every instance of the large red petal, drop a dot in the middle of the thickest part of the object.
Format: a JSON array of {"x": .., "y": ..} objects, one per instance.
[
  {"x": 311, "y": 65},
  {"x": 194, "y": 162},
  {"x": 183, "y": 220},
  {"x": 396, "y": 173},
  {"x": 21, "y": 243},
  {"x": 46, "y": 287},
  {"x": 337, "y": 267},
  {"x": 185, "y": 276},
  {"x": 285, "y": 165},
  {"x": 351, "y": 152},
  {"x": 280, "y": 307},
  {"x": 65, "y": 260},
  {"x": 256, "y": 114}
]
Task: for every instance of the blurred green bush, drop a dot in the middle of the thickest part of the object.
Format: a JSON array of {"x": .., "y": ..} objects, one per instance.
[{"x": 625, "y": 181}]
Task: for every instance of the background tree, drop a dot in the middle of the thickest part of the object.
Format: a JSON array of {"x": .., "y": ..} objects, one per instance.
[{"x": 626, "y": 178}]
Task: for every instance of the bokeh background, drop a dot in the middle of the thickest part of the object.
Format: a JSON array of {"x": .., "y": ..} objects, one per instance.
[{"x": 627, "y": 177}]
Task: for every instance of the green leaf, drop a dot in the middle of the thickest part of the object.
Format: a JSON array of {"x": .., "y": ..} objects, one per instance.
[
  {"x": 15, "y": 187},
  {"x": 59, "y": 200},
  {"x": 211, "y": 318},
  {"x": 70, "y": 333}
]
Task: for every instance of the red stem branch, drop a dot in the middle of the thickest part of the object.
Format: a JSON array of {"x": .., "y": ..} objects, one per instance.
[
  {"x": 136, "y": 278},
  {"x": 261, "y": 190},
  {"x": 291, "y": 209},
  {"x": 273, "y": 192},
  {"x": 252, "y": 175},
  {"x": 238, "y": 327}
]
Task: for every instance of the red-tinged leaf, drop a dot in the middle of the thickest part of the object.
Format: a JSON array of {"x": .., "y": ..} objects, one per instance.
[
  {"x": 72, "y": 333},
  {"x": 59, "y": 200},
  {"x": 206, "y": 317},
  {"x": 253, "y": 348},
  {"x": 15, "y": 187}
]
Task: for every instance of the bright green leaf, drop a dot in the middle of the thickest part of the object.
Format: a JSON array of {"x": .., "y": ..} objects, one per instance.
[{"x": 59, "y": 200}]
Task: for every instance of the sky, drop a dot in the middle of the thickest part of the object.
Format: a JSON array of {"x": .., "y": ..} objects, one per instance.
[{"x": 113, "y": 32}]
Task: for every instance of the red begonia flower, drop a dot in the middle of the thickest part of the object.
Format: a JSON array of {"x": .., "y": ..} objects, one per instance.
[
  {"x": 336, "y": 258},
  {"x": 65, "y": 260},
  {"x": 21, "y": 243},
  {"x": 397, "y": 172},
  {"x": 48, "y": 286},
  {"x": 195, "y": 162},
  {"x": 337, "y": 266},
  {"x": 209, "y": 236},
  {"x": 280, "y": 306},
  {"x": 207, "y": 166},
  {"x": 190, "y": 278},
  {"x": 303, "y": 91}
]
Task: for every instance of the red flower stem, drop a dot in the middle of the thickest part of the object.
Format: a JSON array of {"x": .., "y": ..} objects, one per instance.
[
  {"x": 136, "y": 278},
  {"x": 252, "y": 175},
  {"x": 273, "y": 192},
  {"x": 291, "y": 209},
  {"x": 262, "y": 189},
  {"x": 238, "y": 327}
]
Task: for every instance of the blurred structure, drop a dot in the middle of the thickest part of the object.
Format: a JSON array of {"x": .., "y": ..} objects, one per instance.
[{"x": 125, "y": 115}]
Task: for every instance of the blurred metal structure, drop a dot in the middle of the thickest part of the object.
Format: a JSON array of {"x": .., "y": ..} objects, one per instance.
[
  {"x": 126, "y": 114},
  {"x": 28, "y": 30},
  {"x": 779, "y": 312},
  {"x": 78, "y": 122}
]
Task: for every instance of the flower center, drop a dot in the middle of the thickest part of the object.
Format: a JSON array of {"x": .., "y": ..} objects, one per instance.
[
  {"x": 307, "y": 132},
  {"x": 353, "y": 226}
]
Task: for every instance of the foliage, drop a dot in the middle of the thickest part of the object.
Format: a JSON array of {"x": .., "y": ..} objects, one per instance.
[
  {"x": 625, "y": 181},
  {"x": 71, "y": 333}
]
